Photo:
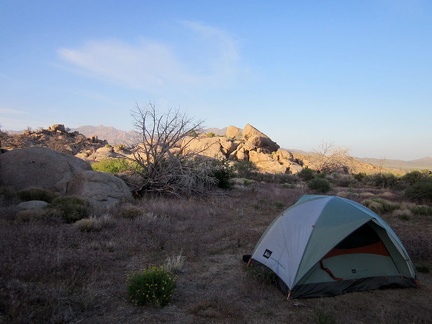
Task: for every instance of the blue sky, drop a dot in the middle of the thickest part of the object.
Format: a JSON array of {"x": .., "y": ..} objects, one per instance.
[{"x": 354, "y": 73}]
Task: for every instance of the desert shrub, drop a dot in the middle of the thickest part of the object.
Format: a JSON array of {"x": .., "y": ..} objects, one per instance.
[
  {"x": 387, "y": 195},
  {"x": 175, "y": 263},
  {"x": 324, "y": 317},
  {"x": 381, "y": 180},
  {"x": 211, "y": 134},
  {"x": 413, "y": 177},
  {"x": 423, "y": 269},
  {"x": 360, "y": 176},
  {"x": 88, "y": 225},
  {"x": 153, "y": 286},
  {"x": 274, "y": 177},
  {"x": 279, "y": 205},
  {"x": 306, "y": 174},
  {"x": 375, "y": 206},
  {"x": 421, "y": 210},
  {"x": 319, "y": 185},
  {"x": 420, "y": 191},
  {"x": 287, "y": 185},
  {"x": 248, "y": 182},
  {"x": 130, "y": 211},
  {"x": 367, "y": 194},
  {"x": 379, "y": 205},
  {"x": 404, "y": 214},
  {"x": 342, "y": 180},
  {"x": 35, "y": 193},
  {"x": 245, "y": 169},
  {"x": 223, "y": 172},
  {"x": 28, "y": 215},
  {"x": 113, "y": 166},
  {"x": 70, "y": 208}
]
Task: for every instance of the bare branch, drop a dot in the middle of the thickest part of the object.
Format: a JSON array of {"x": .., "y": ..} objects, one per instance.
[{"x": 165, "y": 165}]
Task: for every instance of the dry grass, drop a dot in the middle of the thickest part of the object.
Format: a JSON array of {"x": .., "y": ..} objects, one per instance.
[{"x": 56, "y": 272}]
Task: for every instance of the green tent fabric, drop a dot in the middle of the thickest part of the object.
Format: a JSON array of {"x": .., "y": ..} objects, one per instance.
[{"x": 328, "y": 245}]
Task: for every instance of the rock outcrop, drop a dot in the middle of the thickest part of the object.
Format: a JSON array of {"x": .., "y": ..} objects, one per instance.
[
  {"x": 258, "y": 139},
  {"x": 62, "y": 173},
  {"x": 247, "y": 144}
]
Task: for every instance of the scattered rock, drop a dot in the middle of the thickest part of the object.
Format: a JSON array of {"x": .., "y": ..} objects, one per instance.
[
  {"x": 100, "y": 188},
  {"x": 32, "y": 204}
]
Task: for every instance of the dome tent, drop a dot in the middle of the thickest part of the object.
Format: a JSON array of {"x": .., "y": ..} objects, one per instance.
[{"x": 328, "y": 245}]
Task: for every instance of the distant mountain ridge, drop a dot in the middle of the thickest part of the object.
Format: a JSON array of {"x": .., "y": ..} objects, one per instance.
[
  {"x": 418, "y": 164},
  {"x": 112, "y": 135},
  {"x": 115, "y": 136}
]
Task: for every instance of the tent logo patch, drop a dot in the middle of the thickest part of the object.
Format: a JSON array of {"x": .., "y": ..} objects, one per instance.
[{"x": 267, "y": 253}]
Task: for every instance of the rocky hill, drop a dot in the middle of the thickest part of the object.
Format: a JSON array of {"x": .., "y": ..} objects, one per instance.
[
  {"x": 95, "y": 143},
  {"x": 115, "y": 136}
]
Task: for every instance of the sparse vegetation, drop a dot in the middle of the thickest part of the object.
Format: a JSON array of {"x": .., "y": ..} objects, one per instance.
[
  {"x": 57, "y": 272},
  {"x": 66, "y": 264}
]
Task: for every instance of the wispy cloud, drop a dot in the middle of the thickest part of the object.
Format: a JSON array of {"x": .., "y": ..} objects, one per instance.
[
  {"x": 10, "y": 111},
  {"x": 151, "y": 65}
]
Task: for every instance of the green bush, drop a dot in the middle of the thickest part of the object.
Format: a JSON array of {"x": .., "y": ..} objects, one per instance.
[
  {"x": 244, "y": 169},
  {"x": 152, "y": 286},
  {"x": 319, "y": 185},
  {"x": 413, "y": 177},
  {"x": 360, "y": 176},
  {"x": 35, "y": 193},
  {"x": 420, "y": 191},
  {"x": 223, "y": 172},
  {"x": 70, "y": 208},
  {"x": 113, "y": 166},
  {"x": 306, "y": 174},
  {"x": 382, "y": 180}
]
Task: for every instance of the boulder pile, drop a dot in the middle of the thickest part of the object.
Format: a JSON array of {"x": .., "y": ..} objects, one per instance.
[{"x": 247, "y": 144}]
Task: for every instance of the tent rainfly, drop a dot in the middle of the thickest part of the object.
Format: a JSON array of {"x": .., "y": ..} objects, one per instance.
[{"x": 328, "y": 245}]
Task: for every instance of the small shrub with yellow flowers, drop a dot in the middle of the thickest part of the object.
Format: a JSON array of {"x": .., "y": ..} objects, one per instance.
[{"x": 152, "y": 286}]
